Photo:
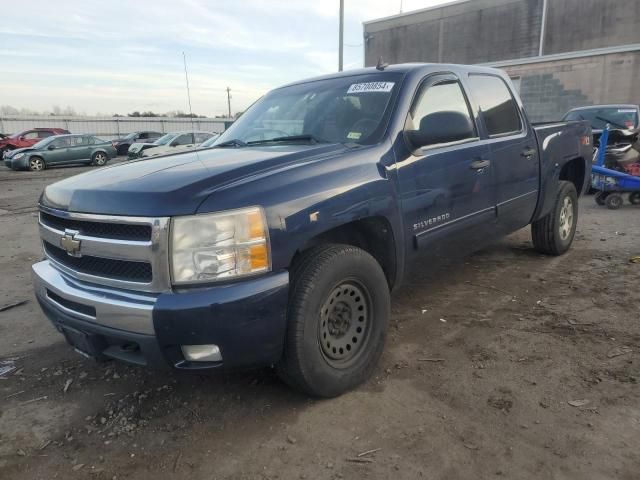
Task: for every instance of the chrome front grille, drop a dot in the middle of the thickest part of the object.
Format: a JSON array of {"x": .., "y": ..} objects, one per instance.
[{"x": 117, "y": 251}]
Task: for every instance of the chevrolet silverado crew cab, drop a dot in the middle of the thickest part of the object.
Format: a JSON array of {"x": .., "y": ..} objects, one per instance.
[{"x": 280, "y": 245}]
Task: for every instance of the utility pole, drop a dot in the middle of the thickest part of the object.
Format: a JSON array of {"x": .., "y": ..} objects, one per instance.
[
  {"x": 229, "y": 100},
  {"x": 340, "y": 35}
]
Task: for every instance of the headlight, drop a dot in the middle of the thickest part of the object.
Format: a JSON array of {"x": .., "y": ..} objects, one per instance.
[
  {"x": 219, "y": 246},
  {"x": 18, "y": 156}
]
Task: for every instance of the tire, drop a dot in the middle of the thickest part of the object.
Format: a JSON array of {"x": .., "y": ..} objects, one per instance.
[
  {"x": 99, "y": 159},
  {"x": 600, "y": 198},
  {"x": 614, "y": 201},
  {"x": 338, "y": 294},
  {"x": 634, "y": 198},
  {"x": 553, "y": 234},
  {"x": 36, "y": 164}
]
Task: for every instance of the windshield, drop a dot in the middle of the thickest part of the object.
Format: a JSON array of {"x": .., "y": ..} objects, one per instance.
[
  {"x": 163, "y": 140},
  {"x": 351, "y": 109},
  {"x": 618, "y": 117},
  {"x": 45, "y": 142},
  {"x": 129, "y": 136}
]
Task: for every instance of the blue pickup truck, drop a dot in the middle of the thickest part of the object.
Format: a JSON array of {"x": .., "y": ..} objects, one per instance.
[{"x": 281, "y": 244}]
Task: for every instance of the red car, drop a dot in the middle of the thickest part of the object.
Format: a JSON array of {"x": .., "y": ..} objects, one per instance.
[{"x": 28, "y": 138}]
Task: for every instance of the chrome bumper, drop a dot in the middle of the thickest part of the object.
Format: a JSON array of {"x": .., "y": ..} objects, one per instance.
[{"x": 129, "y": 311}]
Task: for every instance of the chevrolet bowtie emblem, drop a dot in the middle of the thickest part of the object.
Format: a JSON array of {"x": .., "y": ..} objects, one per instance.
[{"x": 69, "y": 243}]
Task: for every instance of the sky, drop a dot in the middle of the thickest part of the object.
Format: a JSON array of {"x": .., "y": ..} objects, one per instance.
[{"x": 119, "y": 56}]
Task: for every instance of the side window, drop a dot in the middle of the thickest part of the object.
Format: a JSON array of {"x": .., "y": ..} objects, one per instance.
[
  {"x": 61, "y": 142},
  {"x": 143, "y": 136},
  {"x": 44, "y": 134},
  {"x": 78, "y": 141},
  {"x": 202, "y": 137},
  {"x": 184, "y": 139},
  {"x": 30, "y": 135},
  {"x": 499, "y": 109},
  {"x": 434, "y": 101}
]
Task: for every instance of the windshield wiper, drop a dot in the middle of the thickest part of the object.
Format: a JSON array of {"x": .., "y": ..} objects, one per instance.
[
  {"x": 231, "y": 143},
  {"x": 291, "y": 138}
]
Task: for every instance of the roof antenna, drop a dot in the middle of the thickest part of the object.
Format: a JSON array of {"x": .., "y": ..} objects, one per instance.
[
  {"x": 381, "y": 64},
  {"x": 186, "y": 76}
]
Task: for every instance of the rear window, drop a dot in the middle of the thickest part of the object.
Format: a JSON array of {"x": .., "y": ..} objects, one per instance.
[
  {"x": 499, "y": 109},
  {"x": 617, "y": 117}
]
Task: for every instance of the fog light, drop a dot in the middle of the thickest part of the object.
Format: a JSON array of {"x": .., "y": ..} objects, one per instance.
[{"x": 202, "y": 353}]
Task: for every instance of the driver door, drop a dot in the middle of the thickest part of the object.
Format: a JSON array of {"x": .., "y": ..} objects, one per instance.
[{"x": 446, "y": 189}]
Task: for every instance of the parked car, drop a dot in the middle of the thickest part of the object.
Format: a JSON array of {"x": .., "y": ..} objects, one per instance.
[
  {"x": 61, "y": 150},
  {"x": 209, "y": 143},
  {"x": 28, "y": 138},
  {"x": 280, "y": 246},
  {"x": 619, "y": 117},
  {"x": 170, "y": 143},
  {"x": 122, "y": 144}
]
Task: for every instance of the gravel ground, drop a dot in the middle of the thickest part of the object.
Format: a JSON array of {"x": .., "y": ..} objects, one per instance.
[{"x": 507, "y": 364}]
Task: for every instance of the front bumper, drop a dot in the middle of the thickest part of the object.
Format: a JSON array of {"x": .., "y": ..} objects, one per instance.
[{"x": 245, "y": 319}]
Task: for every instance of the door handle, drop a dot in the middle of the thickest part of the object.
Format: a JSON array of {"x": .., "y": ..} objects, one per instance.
[
  {"x": 480, "y": 164},
  {"x": 528, "y": 153}
]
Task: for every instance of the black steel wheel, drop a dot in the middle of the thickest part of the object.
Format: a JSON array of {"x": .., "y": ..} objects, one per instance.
[{"x": 336, "y": 321}]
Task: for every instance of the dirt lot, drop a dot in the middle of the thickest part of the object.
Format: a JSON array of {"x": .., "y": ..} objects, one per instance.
[{"x": 505, "y": 365}]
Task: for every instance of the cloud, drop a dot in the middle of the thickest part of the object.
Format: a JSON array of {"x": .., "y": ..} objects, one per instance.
[{"x": 119, "y": 56}]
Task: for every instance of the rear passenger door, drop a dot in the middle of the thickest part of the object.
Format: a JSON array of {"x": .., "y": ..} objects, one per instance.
[
  {"x": 446, "y": 190},
  {"x": 514, "y": 153},
  {"x": 80, "y": 149}
]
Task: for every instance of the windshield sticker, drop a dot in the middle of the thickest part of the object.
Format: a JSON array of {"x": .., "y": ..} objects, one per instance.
[
  {"x": 626, "y": 110},
  {"x": 354, "y": 135},
  {"x": 370, "y": 87}
]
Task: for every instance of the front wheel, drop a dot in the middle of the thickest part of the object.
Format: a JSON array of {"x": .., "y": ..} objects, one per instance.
[
  {"x": 36, "y": 164},
  {"x": 634, "y": 198},
  {"x": 553, "y": 234},
  {"x": 337, "y": 320},
  {"x": 99, "y": 159}
]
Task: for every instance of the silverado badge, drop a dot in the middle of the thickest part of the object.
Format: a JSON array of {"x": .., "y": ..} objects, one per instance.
[{"x": 69, "y": 243}]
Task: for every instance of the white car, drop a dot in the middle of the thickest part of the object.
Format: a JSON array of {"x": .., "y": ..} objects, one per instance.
[{"x": 170, "y": 143}]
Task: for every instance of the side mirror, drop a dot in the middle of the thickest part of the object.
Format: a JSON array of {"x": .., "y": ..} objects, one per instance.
[
  {"x": 21, "y": 137},
  {"x": 441, "y": 127},
  {"x": 51, "y": 147},
  {"x": 174, "y": 143}
]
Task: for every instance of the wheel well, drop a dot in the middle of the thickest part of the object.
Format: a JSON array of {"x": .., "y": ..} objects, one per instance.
[
  {"x": 372, "y": 234},
  {"x": 574, "y": 172}
]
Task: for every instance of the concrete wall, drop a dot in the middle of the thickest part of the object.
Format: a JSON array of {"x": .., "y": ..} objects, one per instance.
[
  {"x": 477, "y": 31},
  {"x": 549, "y": 89},
  {"x": 574, "y": 25},
  {"x": 483, "y": 31},
  {"x": 493, "y": 31}
]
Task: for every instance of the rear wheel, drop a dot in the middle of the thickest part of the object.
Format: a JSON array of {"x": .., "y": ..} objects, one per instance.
[
  {"x": 614, "y": 201},
  {"x": 99, "y": 159},
  {"x": 553, "y": 234},
  {"x": 337, "y": 320},
  {"x": 36, "y": 164},
  {"x": 634, "y": 198}
]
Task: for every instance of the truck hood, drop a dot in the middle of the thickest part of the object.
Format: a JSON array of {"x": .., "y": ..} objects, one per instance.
[{"x": 174, "y": 184}]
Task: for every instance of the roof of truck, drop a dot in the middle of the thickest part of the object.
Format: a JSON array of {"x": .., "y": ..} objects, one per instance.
[{"x": 402, "y": 68}]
